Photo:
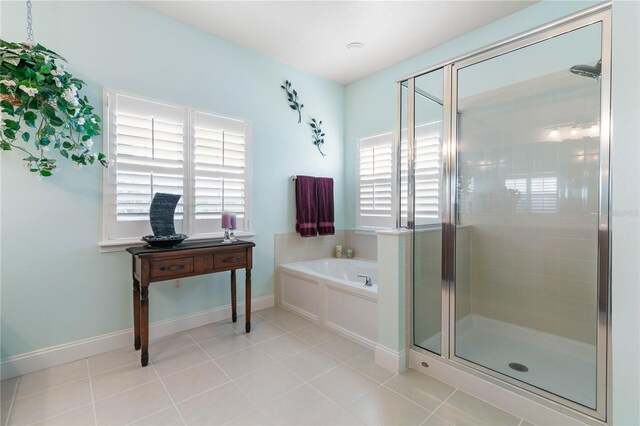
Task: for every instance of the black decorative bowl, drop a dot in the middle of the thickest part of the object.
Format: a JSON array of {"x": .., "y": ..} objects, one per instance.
[{"x": 164, "y": 241}]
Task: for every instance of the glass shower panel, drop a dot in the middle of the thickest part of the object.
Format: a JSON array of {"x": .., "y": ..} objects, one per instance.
[
  {"x": 427, "y": 209},
  {"x": 528, "y": 170}
]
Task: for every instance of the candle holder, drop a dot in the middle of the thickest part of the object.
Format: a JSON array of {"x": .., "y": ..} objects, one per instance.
[
  {"x": 232, "y": 226},
  {"x": 227, "y": 238}
]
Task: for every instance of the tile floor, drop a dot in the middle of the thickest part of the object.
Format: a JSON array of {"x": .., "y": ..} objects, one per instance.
[{"x": 287, "y": 371}]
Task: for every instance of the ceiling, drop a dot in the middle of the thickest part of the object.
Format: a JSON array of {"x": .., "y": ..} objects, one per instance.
[{"x": 312, "y": 35}]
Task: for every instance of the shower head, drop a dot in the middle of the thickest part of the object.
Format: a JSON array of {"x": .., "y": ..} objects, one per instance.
[{"x": 592, "y": 71}]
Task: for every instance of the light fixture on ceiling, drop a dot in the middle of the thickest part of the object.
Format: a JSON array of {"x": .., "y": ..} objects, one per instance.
[{"x": 355, "y": 46}]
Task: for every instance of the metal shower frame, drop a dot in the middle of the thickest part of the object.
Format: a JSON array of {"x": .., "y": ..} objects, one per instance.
[{"x": 598, "y": 14}]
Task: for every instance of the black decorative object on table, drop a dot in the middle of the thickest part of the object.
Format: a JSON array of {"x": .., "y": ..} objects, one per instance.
[{"x": 161, "y": 214}]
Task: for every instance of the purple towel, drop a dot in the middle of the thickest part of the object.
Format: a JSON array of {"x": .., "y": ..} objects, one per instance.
[
  {"x": 306, "y": 206},
  {"x": 324, "y": 188}
]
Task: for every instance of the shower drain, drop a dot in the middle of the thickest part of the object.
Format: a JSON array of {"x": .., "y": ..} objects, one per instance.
[{"x": 518, "y": 367}]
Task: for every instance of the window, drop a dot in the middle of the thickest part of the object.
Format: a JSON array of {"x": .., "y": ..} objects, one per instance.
[
  {"x": 376, "y": 190},
  {"x": 162, "y": 147},
  {"x": 428, "y": 173}
]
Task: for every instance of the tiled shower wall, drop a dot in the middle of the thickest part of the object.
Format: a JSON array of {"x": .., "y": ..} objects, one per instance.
[
  {"x": 529, "y": 170},
  {"x": 290, "y": 247}
]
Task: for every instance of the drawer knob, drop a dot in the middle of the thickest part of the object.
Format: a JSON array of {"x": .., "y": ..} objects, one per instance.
[
  {"x": 231, "y": 259},
  {"x": 172, "y": 268}
]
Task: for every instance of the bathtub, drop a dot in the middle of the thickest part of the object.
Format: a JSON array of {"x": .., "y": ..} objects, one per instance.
[{"x": 328, "y": 292}]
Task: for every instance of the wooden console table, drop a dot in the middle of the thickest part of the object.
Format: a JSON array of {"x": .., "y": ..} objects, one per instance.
[{"x": 187, "y": 260}]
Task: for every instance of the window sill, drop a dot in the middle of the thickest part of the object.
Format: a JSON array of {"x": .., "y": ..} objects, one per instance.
[{"x": 121, "y": 245}]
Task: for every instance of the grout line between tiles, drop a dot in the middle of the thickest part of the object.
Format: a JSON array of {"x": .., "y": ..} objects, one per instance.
[
  {"x": 375, "y": 389},
  {"x": 50, "y": 388},
  {"x": 167, "y": 390},
  {"x": 340, "y": 363},
  {"x": 304, "y": 381},
  {"x": 439, "y": 405},
  {"x": 234, "y": 383},
  {"x": 93, "y": 402},
  {"x": 147, "y": 416},
  {"x": 128, "y": 389},
  {"x": 180, "y": 371},
  {"x": 61, "y": 414},
  {"x": 13, "y": 398},
  {"x": 110, "y": 370}
]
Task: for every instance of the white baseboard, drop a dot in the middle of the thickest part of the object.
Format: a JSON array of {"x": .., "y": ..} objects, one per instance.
[
  {"x": 351, "y": 335},
  {"x": 394, "y": 361},
  {"x": 60, "y": 354}
]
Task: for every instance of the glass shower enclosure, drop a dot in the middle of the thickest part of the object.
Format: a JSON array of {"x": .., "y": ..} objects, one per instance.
[{"x": 505, "y": 185}]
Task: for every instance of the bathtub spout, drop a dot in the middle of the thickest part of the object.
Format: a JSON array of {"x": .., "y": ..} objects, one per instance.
[{"x": 367, "y": 279}]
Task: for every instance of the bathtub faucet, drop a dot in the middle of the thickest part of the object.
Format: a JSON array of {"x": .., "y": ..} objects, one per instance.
[{"x": 367, "y": 278}]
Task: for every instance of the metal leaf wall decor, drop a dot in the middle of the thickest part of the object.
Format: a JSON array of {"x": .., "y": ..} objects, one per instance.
[
  {"x": 318, "y": 134},
  {"x": 292, "y": 97},
  {"x": 316, "y": 125}
]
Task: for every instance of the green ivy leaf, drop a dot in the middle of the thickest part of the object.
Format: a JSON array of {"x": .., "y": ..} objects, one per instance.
[
  {"x": 30, "y": 118},
  {"x": 56, "y": 121},
  {"x": 7, "y": 107},
  {"x": 6, "y": 146},
  {"x": 13, "y": 125},
  {"x": 49, "y": 130},
  {"x": 26, "y": 136}
]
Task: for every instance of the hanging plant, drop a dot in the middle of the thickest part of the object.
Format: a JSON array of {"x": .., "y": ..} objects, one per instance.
[
  {"x": 317, "y": 134},
  {"x": 41, "y": 109},
  {"x": 292, "y": 96}
]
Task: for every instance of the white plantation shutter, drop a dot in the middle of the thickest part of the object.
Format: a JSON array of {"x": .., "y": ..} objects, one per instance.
[
  {"x": 160, "y": 147},
  {"x": 428, "y": 173},
  {"x": 375, "y": 181},
  {"x": 219, "y": 174},
  {"x": 378, "y": 165}
]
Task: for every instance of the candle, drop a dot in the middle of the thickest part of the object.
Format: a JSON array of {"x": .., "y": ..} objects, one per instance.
[
  {"x": 226, "y": 220},
  {"x": 233, "y": 224}
]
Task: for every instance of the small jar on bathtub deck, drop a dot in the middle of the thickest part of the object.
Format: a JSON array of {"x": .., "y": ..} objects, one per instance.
[
  {"x": 349, "y": 254},
  {"x": 339, "y": 252}
]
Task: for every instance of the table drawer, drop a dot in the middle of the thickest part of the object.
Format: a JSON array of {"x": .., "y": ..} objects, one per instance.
[
  {"x": 171, "y": 267},
  {"x": 230, "y": 260}
]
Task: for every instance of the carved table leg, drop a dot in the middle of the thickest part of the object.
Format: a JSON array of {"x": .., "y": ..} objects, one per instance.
[
  {"x": 247, "y": 293},
  {"x": 234, "y": 313},
  {"x": 144, "y": 324},
  {"x": 136, "y": 314}
]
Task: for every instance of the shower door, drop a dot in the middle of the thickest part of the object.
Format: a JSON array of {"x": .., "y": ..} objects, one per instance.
[
  {"x": 530, "y": 180},
  {"x": 427, "y": 205},
  {"x": 506, "y": 186}
]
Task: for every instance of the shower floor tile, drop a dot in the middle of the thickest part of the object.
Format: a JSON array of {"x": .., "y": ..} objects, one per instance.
[{"x": 556, "y": 364}]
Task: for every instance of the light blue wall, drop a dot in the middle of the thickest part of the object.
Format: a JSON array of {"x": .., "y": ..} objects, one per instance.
[
  {"x": 56, "y": 286},
  {"x": 370, "y": 108}
]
